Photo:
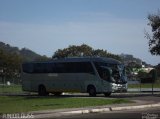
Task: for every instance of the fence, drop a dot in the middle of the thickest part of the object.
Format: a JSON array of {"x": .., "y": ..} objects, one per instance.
[
  {"x": 10, "y": 86},
  {"x": 141, "y": 86}
]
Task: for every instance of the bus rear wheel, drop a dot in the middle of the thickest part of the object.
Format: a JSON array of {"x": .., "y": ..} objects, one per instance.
[
  {"x": 92, "y": 91},
  {"x": 42, "y": 91}
]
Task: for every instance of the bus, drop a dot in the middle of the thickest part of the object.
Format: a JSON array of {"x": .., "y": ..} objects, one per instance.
[{"x": 93, "y": 75}]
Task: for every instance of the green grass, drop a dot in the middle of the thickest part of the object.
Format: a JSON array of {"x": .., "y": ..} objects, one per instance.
[
  {"x": 11, "y": 89},
  {"x": 13, "y": 104}
]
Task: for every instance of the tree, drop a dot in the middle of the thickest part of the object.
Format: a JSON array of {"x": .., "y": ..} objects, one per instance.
[
  {"x": 154, "y": 39},
  {"x": 82, "y": 50},
  {"x": 73, "y": 50},
  {"x": 42, "y": 58},
  {"x": 10, "y": 64}
]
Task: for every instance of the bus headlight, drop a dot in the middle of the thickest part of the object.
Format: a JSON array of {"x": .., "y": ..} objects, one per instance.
[{"x": 114, "y": 86}]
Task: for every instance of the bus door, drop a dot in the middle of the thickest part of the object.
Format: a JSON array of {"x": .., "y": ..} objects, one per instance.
[{"x": 105, "y": 75}]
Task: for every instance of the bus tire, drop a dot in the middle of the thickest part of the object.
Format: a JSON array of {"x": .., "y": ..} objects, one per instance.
[
  {"x": 91, "y": 90},
  {"x": 107, "y": 94},
  {"x": 42, "y": 91}
]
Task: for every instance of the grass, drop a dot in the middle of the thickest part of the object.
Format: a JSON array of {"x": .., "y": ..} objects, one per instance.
[
  {"x": 13, "y": 104},
  {"x": 11, "y": 89}
]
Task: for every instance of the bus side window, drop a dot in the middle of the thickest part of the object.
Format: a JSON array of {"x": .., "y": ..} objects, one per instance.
[
  {"x": 27, "y": 68},
  {"x": 37, "y": 68},
  {"x": 47, "y": 68},
  {"x": 84, "y": 67},
  {"x": 60, "y": 68},
  {"x": 70, "y": 67},
  {"x": 89, "y": 68}
]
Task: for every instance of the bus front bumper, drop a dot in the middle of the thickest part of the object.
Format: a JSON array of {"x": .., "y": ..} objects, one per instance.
[{"x": 119, "y": 88}]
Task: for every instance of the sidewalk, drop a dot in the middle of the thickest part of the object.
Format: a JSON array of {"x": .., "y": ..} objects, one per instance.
[{"x": 96, "y": 109}]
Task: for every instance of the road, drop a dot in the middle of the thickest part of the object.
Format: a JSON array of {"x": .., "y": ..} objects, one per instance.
[
  {"x": 147, "y": 113},
  {"x": 141, "y": 99}
]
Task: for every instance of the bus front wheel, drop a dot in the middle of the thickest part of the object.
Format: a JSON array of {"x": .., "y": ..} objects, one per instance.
[
  {"x": 42, "y": 91},
  {"x": 92, "y": 91}
]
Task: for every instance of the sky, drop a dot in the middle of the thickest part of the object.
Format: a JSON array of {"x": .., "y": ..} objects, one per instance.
[{"x": 45, "y": 26}]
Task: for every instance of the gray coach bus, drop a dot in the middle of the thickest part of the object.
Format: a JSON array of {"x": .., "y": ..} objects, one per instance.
[{"x": 92, "y": 75}]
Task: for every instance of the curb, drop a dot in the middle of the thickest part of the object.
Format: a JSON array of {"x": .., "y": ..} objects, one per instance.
[
  {"x": 94, "y": 110},
  {"x": 107, "y": 109},
  {"x": 135, "y": 107}
]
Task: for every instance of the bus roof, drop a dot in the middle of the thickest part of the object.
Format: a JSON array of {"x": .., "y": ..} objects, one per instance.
[{"x": 82, "y": 59}]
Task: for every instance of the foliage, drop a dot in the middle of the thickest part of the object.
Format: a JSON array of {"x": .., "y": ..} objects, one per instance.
[
  {"x": 42, "y": 58},
  {"x": 82, "y": 50},
  {"x": 154, "y": 39},
  {"x": 148, "y": 77},
  {"x": 10, "y": 64},
  {"x": 29, "y": 55},
  {"x": 26, "y": 54},
  {"x": 142, "y": 74},
  {"x": 11, "y": 59},
  {"x": 133, "y": 66}
]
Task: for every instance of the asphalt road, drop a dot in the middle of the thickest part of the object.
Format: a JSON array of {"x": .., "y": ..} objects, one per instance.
[{"x": 147, "y": 113}]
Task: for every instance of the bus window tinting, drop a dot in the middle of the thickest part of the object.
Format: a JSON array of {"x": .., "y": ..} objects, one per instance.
[
  {"x": 103, "y": 72},
  {"x": 62, "y": 67},
  {"x": 28, "y": 68},
  {"x": 73, "y": 67},
  {"x": 114, "y": 67}
]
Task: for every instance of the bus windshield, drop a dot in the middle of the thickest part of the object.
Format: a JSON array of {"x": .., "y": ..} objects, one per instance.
[
  {"x": 117, "y": 71},
  {"x": 122, "y": 72}
]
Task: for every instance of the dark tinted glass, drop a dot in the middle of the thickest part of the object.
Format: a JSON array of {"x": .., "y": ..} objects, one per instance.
[
  {"x": 64, "y": 67},
  {"x": 28, "y": 68}
]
